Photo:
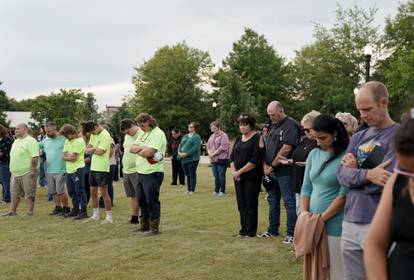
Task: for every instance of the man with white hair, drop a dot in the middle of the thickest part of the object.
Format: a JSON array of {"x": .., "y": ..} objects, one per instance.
[{"x": 24, "y": 157}]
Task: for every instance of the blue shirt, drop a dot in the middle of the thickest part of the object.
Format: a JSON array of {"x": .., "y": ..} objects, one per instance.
[
  {"x": 323, "y": 188},
  {"x": 53, "y": 148}
]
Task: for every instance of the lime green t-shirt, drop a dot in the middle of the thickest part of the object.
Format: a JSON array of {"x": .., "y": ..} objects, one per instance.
[
  {"x": 128, "y": 160},
  {"x": 21, "y": 154},
  {"x": 77, "y": 146},
  {"x": 102, "y": 141},
  {"x": 153, "y": 139}
]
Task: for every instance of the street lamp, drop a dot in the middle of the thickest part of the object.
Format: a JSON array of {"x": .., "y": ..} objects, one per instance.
[{"x": 368, "y": 55}]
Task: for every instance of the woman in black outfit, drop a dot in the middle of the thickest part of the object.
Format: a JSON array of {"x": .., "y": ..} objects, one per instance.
[
  {"x": 393, "y": 224},
  {"x": 246, "y": 166},
  {"x": 300, "y": 154}
]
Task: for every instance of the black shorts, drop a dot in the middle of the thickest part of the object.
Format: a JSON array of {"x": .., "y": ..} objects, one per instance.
[{"x": 98, "y": 179}]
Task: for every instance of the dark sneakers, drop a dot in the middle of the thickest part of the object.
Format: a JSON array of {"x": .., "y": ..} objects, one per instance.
[
  {"x": 58, "y": 210},
  {"x": 73, "y": 213},
  {"x": 83, "y": 214}
]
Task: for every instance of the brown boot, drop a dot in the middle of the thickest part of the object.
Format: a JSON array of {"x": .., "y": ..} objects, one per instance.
[
  {"x": 144, "y": 225},
  {"x": 154, "y": 225}
]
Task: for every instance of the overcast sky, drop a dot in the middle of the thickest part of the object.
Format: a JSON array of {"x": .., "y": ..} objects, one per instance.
[{"x": 94, "y": 45}]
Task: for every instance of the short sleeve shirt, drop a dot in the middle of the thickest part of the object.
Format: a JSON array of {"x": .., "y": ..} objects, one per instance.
[
  {"x": 102, "y": 141},
  {"x": 128, "y": 160},
  {"x": 286, "y": 132},
  {"x": 77, "y": 146},
  {"x": 21, "y": 154},
  {"x": 53, "y": 148},
  {"x": 153, "y": 139}
]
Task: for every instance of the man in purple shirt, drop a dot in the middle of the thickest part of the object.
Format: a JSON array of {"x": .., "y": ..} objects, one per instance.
[{"x": 364, "y": 170}]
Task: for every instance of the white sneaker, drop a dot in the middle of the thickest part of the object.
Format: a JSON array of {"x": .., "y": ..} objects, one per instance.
[
  {"x": 107, "y": 221},
  {"x": 215, "y": 193},
  {"x": 220, "y": 194}
]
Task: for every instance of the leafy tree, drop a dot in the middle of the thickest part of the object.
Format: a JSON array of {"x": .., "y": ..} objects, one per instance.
[
  {"x": 67, "y": 106},
  {"x": 4, "y": 104},
  {"x": 255, "y": 69},
  {"x": 328, "y": 70},
  {"x": 169, "y": 86},
  {"x": 234, "y": 99},
  {"x": 397, "y": 70}
]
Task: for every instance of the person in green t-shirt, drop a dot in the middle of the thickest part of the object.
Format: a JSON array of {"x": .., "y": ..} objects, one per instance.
[
  {"x": 150, "y": 147},
  {"x": 129, "y": 169},
  {"x": 99, "y": 147},
  {"x": 52, "y": 146},
  {"x": 73, "y": 154},
  {"x": 24, "y": 157}
]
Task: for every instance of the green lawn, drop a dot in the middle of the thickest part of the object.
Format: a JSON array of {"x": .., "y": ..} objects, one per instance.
[{"x": 197, "y": 242}]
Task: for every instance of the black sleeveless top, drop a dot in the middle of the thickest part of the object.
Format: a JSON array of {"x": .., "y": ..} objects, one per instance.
[{"x": 401, "y": 260}]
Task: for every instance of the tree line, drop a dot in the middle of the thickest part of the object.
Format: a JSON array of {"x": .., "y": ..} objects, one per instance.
[{"x": 180, "y": 83}]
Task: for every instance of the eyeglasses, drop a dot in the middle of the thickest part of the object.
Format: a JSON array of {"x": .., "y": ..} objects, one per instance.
[
  {"x": 402, "y": 172},
  {"x": 306, "y": 130}
]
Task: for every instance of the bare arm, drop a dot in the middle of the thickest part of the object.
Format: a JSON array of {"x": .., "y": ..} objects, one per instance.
[
  {"x": 283, "y": 152},
  {"x": 147, "y": 152},
  {"x": 33, "y": 165},
  {"x": 89, "y": 149},
  {"x": 337, "y": 204},
  {"x": 70, "y": 156},
  {"x": 304, "y": 204},
  {"x": 378, "y": 239}
]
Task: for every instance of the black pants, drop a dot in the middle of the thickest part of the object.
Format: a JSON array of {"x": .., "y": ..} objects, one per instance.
[
  {"x": 247, "y": 194},
  {"x": 148, "y": 193},
  {"x": 87, "y": 188},
  {"x": 177, "y": 171}
]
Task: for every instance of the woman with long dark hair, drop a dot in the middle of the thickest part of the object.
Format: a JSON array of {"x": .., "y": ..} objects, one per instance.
[
  {"x": 321, "y": 192},
  {"x": 393, "y": 222}
]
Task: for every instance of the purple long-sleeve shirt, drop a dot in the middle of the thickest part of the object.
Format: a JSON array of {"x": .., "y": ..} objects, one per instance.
[
  {"x": 363, "y": 197},
  {"x": 219, "y": 142}
]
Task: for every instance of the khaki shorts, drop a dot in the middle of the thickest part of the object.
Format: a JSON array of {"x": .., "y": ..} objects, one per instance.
[{"x": 24, "y": 186}]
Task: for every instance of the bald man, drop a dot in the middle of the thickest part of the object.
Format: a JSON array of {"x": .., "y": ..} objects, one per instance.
[
  {"x": 280, "y": 141},
  {"x": 24, "y": 156},
  {"x": 365, "y": 169}
]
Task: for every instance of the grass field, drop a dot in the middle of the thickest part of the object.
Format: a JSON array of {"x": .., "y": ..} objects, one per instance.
[{"x": 197, "y": 242}]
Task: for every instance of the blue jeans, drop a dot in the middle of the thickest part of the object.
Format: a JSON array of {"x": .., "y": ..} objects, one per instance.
[
  {"x": 5, "y": 180},
  {"x": 219, "y": 172},
  {"x": 76, "y": 188},
  {"x": 190, "y": 170},
  {"x": 42, "y": 174},
  {"x": 282, "y": 187}
]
